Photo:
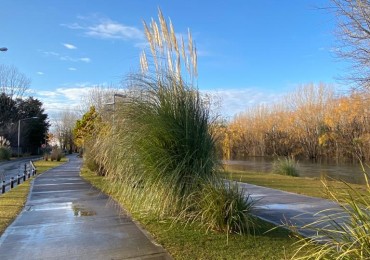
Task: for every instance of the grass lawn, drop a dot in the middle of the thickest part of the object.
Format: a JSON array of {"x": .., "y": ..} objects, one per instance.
[
  {"x": 12, "y": 202},
  {"x": 301, "y": 185},
  {"x": 193, "y": 242}
]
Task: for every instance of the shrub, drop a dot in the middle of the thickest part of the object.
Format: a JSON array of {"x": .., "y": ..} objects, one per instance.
[
  {"x": 46, "y": 149},
  {"x": 5, "y": 152},
  {"x": 287, "y": 166},
  {"x": 56, "y": 154},
  {"x": 226, "y": 208}
]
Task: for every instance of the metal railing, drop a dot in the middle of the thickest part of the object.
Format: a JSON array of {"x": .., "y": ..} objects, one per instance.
[{"x": 14, "y": 181}]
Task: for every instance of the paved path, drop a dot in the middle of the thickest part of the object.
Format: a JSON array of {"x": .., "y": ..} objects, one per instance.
[
  {"x": 66, "y": 218},
  {"x": 280, "y": 207}
]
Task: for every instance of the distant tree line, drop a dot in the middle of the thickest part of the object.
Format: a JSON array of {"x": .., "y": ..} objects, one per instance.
[
  {"x": 312, "y": 123},
  {"x": 15, "y": 110}
]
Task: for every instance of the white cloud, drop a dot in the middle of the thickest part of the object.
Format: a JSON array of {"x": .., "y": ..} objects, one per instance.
[
  {"x": 74, "y": 93},
  {"x": 235, "y": 101},
  {"x": 50, "y": 53},
  {"x": 40, "y": 73},
  {"x": 87, "y": 60},
  {"x": 72, "y": 69},
  {"x": 73, "y": 26},
  {"x": 113, "y": 30},
  {"x": 63, "y": 98},
  {"x": 45, "y": 93},
  {"x": 65, "y": 57},
  {"x": 69, "y": 46},
  {"x": 104, "y": 28}
]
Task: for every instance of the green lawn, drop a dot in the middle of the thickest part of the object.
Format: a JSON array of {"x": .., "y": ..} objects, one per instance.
[
  {"x": 301, "y": 185},
  {"x": 12, "y": 202},
  {"x": 194, "y": 242}
]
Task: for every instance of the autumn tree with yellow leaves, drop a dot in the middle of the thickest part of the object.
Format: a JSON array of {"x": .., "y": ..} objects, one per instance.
[{"x": 313, "y": 122}]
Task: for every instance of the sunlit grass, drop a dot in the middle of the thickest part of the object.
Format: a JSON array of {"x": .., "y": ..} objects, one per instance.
[
  {"x": 13, "y": 201},
  {"x": 300, "y": 185},
  {"x": 43, "y": 165}
]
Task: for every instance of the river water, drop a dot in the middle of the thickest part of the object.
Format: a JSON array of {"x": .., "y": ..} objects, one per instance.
[{"x": 349, "y": 172}]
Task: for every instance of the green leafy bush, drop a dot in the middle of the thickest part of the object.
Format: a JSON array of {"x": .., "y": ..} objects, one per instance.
[{"x": 5, "y": 153}]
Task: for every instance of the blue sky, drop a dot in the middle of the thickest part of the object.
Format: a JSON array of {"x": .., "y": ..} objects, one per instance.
[{"x": 249, "y": 52}]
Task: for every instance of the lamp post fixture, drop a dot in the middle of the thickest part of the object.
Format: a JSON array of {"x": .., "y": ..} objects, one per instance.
[
  {"x": 19, "y": 129},
  {"x": 114, "y": 103},
  {"x": 3, "y": 49}
]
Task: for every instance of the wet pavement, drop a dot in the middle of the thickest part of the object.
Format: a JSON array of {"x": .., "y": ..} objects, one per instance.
[
  {"x": 294, "y": 210},
  {"x": 66, "y": 218}
]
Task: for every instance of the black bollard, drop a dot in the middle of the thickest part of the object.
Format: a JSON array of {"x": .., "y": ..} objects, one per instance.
[
  {"x": 29, "y": 175},
  {"x": 18, "y": 179},
  {"x": 3, "y": 187},
  {"x": 25, "y": 168},
  {"x": 12, "y": 182},
  {"x": 24, "y": 177}
]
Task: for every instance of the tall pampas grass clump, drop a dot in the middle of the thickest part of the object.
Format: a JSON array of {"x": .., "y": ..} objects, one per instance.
[
  {"x": 161, "y": 146},
  {"x": 160, "y": 152},
  {"x": 287, "y": 166}
]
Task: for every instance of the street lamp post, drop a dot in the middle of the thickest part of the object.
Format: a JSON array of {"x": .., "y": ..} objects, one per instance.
[
  {"x": 19, "y": 129},
  {"x": 114, "y": 103}
]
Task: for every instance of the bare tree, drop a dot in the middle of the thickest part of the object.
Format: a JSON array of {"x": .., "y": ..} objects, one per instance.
[
  {"x": 353, "y": 17},
  {"x": 13, "y": 82},
  {"x": 98, "y": 96},
  {"x": 63, "y": 129}
]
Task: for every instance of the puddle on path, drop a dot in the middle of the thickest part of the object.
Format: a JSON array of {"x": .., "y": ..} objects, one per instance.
[
  {"x": 76, "y": 209},
  {"x": 280, "y": 206},
  {"x": 79, "y": 211}
]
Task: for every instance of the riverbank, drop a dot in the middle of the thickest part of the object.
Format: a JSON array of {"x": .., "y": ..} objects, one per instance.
[
  {"x": 350, "y": 172},
  {"x": 301, "y": 185}
]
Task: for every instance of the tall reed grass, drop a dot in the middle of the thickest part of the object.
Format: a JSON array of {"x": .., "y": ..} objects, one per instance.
[
  {"x": 160, "y": 150},
  {"x": 161, "y": 144},
  {"x": 288, "y": 166},
  {"x": 343, "y": 235}
]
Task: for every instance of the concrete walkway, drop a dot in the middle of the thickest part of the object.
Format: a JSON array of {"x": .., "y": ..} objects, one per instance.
[
  {"x": 286, "y": 208},
  {"x": 66, "y": 218}
]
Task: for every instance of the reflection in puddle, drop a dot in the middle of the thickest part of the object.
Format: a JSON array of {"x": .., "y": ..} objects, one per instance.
[
  {"x": 79, "y": 211},
  {"x": 67, "y": 207},
  {"x": 279, "y": 206}
]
